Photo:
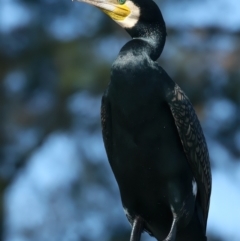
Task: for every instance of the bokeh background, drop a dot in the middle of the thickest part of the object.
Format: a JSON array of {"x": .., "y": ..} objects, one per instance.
[{"x": 55, "y": 59}]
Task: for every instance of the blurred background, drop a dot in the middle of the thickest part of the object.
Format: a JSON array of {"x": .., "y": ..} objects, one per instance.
[{"x": 55, "y": 59}]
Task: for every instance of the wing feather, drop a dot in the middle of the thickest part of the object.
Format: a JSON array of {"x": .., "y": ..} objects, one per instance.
[{"x": 194, "y": 144}]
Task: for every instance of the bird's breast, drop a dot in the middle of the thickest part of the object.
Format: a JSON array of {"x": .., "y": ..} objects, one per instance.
[{"x": 144, "y": 136}]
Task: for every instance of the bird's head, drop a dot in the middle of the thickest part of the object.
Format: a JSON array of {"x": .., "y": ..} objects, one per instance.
[
  {"x": 124, "y": 12},
  {"x": 128, "y": 13},
  {"x": 140, "y": 18}
]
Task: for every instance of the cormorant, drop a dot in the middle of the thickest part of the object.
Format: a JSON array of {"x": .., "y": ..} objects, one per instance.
[{"x": 153, "y": 138}]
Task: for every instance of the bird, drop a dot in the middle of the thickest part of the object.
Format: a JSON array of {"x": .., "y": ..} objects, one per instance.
[{"x": 153, "y": 138}]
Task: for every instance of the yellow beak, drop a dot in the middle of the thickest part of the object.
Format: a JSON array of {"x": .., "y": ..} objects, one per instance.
[{"x": 116, "y": 11}]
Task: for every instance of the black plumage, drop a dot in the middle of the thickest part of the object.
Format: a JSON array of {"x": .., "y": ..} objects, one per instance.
[{"x": 153, "y": 139}]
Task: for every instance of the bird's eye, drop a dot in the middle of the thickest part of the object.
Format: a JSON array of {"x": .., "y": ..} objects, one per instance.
[{"x": 121, "y": 1}]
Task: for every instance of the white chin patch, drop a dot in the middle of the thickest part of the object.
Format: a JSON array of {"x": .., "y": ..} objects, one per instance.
[
  {"x": 132, "y": 19},
  {"x": 194, "y": 187}
]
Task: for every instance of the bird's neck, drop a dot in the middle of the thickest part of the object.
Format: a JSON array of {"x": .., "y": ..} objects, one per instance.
[{"x": 147, "y": 39}]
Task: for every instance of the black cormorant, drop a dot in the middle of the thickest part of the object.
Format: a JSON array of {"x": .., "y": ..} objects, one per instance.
[{"x": 153, "y": 139}]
